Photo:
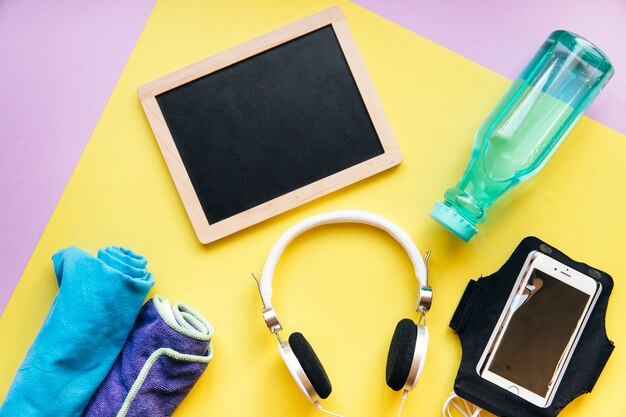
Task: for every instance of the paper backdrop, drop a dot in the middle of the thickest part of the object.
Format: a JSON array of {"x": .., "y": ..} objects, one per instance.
[{"x": 344, "y": 287}]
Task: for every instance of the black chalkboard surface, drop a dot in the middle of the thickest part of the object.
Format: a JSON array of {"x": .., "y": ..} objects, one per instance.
[{"x": 268, "y": 125}]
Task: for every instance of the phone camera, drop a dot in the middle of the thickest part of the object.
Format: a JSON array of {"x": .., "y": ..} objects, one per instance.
[
  {"x": 595, "y": 274},
  {"x": 545, "y": 248}
]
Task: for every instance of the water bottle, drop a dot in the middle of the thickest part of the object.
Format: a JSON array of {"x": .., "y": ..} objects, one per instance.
[{"x": 527, "y": 125}]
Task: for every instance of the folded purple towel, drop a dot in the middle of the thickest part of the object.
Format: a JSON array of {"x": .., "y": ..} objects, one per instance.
[{"x": 167, "y": 351}]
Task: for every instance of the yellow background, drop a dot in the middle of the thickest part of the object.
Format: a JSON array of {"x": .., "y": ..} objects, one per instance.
[{"x": 344, "y": 287}]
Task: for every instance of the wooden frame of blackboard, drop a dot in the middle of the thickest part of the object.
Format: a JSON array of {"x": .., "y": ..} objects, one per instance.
[{"x": 206, "y": 232}]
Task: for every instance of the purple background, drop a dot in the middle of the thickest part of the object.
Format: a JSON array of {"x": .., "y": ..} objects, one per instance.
[
  {"x": 59, "y": 63},
  {"x": 504, "y": 35},
  {"x": 61, "y": 59}
]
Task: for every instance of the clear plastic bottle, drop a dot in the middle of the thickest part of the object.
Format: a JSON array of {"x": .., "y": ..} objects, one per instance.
[{"x": 525, "y": 128}]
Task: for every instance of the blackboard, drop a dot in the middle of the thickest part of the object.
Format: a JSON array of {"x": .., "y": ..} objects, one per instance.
[{"x": 268, "y": 131}]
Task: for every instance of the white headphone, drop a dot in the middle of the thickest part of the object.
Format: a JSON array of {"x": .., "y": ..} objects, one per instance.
[{"x": 409, "y": 344}]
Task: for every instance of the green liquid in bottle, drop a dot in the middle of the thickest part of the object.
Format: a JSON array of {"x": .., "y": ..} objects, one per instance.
[{"x": 508, "y": 150}]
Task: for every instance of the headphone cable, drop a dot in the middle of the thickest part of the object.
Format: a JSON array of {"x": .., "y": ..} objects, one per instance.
[
  {"x": 319, "y": 407},
  {"x": 470, "y": 410},
  {"x": 405, "y": 394}
]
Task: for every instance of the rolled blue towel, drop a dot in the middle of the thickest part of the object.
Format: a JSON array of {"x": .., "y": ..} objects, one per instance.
[{"x": 87, "y": 325}]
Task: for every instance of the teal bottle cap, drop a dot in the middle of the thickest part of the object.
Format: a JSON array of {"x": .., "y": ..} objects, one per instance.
[{"x": 453, "y": 221}]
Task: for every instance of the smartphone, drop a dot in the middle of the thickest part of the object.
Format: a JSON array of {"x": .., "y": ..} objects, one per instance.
[{"x": 538, "y": 329}]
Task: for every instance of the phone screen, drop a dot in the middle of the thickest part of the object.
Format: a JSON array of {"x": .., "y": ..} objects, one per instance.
[{"x": 543, "y": 321}]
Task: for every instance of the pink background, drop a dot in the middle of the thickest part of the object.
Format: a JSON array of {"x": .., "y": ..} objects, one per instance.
[
  {"x": 62, "y": 58},
  {"x": 504, "y": 35},
  {"x": 59, "y": 63}
]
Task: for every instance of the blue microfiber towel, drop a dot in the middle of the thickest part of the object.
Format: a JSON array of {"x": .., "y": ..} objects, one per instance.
[{"x": 87, "y": 325}]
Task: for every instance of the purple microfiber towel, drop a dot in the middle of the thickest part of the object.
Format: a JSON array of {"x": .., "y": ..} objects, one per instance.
[{"x": 167, "y": 351}]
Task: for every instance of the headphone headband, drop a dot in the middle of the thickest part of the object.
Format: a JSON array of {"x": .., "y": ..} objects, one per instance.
[
  {"x": 344, "y": 216},
  {"x": 410, "y": 340}
]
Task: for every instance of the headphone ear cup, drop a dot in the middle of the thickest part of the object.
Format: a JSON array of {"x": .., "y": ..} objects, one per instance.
[
  {"x": 401, "y": 351},
  {"x": 311, "y": 364}
]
